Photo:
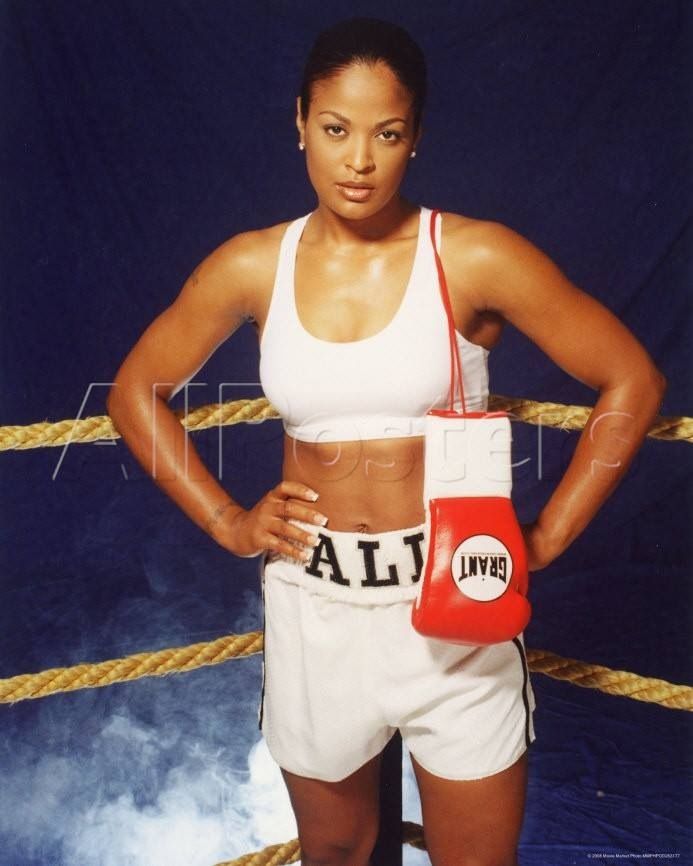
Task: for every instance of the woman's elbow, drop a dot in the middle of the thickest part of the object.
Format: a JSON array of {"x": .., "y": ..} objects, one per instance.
[
  {"x": 652, "y": 386},
  {"x": 657, "y": 380},
  {"x": 643, "y": 383},
  {"x": 115, "y": 406},
  {"x": 113, "y": 396},
  {"x": 648, "y": 375},
  {"x": 123, "y": 396}
]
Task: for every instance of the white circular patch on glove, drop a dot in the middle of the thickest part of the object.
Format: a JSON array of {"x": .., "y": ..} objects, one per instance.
[{"x": 482, "y": 567}]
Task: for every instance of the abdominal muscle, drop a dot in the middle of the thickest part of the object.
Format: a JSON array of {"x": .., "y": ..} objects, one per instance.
[{"x": 373, "y": 485}]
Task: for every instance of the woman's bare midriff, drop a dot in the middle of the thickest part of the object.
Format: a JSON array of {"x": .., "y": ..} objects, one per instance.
[{"x": 373, "y": 485}]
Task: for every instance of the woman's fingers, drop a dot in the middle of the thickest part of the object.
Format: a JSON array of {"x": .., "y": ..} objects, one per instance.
[
  {"x": 291, "y": 505},
  {"x": 287, "y": 510},
  {"x": 297, "y": 533},
  {"x": 288, "y": 489},
  {"x": 302, "y": 547},
  {"x": 291, "y": 497},
  {"x": 291, "y": 509},
  {"x": 268, "y": 526}
]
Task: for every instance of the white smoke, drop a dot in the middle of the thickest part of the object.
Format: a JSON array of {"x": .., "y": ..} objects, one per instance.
[
  {"x": 161, "y": 772},
  {"x": 198, "y": 812}
]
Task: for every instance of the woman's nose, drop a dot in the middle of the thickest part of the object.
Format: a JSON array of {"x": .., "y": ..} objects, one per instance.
[{"x": 360, "y": 157}]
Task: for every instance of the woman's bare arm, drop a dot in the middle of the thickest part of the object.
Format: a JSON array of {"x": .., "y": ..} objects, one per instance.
[
  {"x": 212, "y": 304},
  {"x": 514, "y": 278}
]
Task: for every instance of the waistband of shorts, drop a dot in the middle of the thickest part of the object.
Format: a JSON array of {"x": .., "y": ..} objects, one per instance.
[{"x": 358, "y": 567}]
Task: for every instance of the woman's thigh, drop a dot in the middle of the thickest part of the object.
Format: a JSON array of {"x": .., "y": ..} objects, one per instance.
[
  {"x": 337, "y": 821},
  {"x": 474, "y": 822}
]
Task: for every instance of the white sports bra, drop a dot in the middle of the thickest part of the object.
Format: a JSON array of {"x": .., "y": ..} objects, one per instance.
[{"x": 378, "y": 387}]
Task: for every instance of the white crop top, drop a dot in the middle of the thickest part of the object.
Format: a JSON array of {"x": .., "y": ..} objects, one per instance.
[{"x": 376, "y": 387}]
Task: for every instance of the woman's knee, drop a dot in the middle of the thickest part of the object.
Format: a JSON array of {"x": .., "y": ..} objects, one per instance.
[
  {"x": 323, "y": 852},
  {"x": 345, "y": 839}
]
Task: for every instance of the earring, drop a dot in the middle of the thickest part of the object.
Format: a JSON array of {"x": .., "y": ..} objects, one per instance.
[
  {"x": 301, "y": 146},
  {"x": 412, "y": 154}
]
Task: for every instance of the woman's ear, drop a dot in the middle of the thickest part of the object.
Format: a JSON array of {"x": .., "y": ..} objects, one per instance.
[{"x": 300, "y": 125}]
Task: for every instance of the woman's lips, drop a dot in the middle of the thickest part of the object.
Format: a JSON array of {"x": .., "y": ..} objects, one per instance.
[{"x": 355, "y": 193}]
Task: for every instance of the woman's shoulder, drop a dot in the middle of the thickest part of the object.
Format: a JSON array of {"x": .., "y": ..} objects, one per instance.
[
  {"x": 243, "y": 266},
  {"x": 251, "y": 255},
  {"x": 255, "y": 244},
  {"x": 462, "y": 224},
  {"x": 466, "y": 236}
]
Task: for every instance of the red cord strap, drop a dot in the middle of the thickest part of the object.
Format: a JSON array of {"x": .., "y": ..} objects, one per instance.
[{"x": 455, "y": 362}]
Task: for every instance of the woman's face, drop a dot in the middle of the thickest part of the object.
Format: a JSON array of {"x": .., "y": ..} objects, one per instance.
[{"x": 358, "y": 136}]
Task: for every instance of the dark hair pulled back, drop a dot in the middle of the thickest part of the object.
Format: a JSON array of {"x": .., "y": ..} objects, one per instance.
[{"x": 366, "y": 40}]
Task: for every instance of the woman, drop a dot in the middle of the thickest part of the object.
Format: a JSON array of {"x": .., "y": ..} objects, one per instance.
[{"x": 354, "y": 351}]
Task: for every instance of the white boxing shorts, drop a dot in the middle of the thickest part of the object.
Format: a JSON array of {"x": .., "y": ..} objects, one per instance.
[{"x": 343, "y": 667}]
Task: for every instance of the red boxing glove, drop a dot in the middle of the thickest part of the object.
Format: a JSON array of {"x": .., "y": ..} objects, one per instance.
[{"x": 474, "y": 581}]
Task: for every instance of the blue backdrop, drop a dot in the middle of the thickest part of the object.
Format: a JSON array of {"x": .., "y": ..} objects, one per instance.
[{"x": 137, "y": 135}]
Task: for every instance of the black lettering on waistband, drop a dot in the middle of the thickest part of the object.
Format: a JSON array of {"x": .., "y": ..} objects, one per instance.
[
  {"x": 415, "y": 542},
  {"x": 326, "y": 546},
  {"x": 368, "y": 548}
]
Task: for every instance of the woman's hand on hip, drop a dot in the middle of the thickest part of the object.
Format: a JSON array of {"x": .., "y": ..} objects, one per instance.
[{"x": 266, "y": 525}]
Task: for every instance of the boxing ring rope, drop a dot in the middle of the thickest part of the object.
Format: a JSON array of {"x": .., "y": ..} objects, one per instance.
[
  {"x": 181, "y": 659},
  {"x": 187, "y": 658},
  {"x": 44, "y": 434}
]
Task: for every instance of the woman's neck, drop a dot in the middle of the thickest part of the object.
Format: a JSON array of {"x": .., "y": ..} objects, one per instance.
[{"x": 333, "y": 229}]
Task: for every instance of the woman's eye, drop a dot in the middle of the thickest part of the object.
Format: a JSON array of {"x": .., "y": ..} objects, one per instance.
[
  {"x": 334, "y": 131},
  {"x": 390, "y": 135}
]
